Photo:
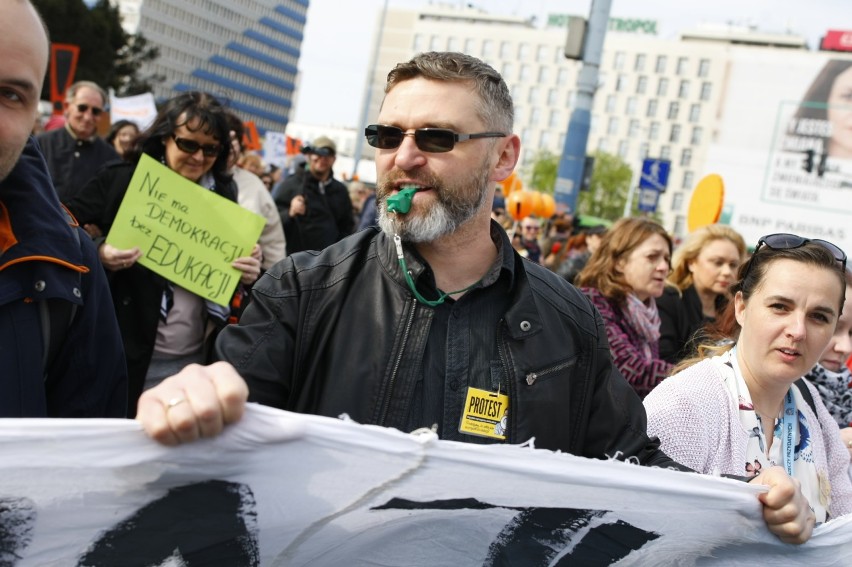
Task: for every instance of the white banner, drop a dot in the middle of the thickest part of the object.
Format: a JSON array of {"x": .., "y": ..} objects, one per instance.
[
  {"x": 275, "y": 148},
  {"x": 287, "y": 489},
  {"x": 140, "y": 109}
]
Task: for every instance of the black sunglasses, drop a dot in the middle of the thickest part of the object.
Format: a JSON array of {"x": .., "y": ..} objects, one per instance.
[
  {"x": 83, "y": 108},
  {"x": 191, "y": 147},
  {"x": 784, "y": 241},
  {"x": 434, "y": 140}
]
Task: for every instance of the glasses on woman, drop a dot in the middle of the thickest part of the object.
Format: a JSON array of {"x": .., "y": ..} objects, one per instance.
[
  {"x": 191, "y": 147},
  {"x": 433, "y": 140},
  {"x": 784, "y": 241}
]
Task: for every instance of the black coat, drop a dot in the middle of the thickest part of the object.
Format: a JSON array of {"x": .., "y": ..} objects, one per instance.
[
  {"x": 682, "y": 322},
  {"x": 328, "y": 215}
]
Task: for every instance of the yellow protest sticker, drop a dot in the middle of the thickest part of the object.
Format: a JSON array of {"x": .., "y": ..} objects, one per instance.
[
  {"x": 485, "y": 414},
  {"x": 187, "y": 234}
]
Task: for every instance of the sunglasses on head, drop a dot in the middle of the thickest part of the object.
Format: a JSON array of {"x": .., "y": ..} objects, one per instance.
[
  {"x": 191, "y": 147},
  {"x": 433, "y": 140},
  {"x": 83, "y": 108},
  {"x": 784, "y": 241}
]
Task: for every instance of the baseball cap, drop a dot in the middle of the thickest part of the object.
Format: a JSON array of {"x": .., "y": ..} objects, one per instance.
[{"x": 322, "y": 146}]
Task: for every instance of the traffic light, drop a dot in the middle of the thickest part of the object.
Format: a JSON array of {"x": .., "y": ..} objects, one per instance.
[{"x": 808, "y": 162}]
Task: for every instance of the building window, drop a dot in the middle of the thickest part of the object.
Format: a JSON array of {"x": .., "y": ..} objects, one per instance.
[
  {"x": 516, "y": 92},
  {"x": 661, "y": 64},
  {"x": 677, "y": 201},
  {"x": 526, "y": 136},
  {"x": 682, "y": 62},
  {"x": 674, "y": 108},
  {"x": 630, "y": 107},
  {"x": 695, "y": 113},
  {"x": 543, "y": 74},
  {"x": 703, "y": 67},
  {"x": 541, "y": 54},
  {"x": 640, "y": 62},
  {"x": 508, "y": 71},
  {"x": 552, "y": 96},
  {"x": 662, "y": 86},
  {"x": 523, "y": 50},
  {"x": 569, "y": 99},
  {"x": 525, "y": 73},
  {"x": 688, "y": 180},
  {"x": 469, "y": 46},
  {"x": 562, "y": 76},
  {"x": 674, "y": 136},
  {"x": 665, "y": 152},
  {"x": 612, "y": 126},
  {"x": 641, "y": 84},
  {"x": 487, "y": 48},
  {"x": 553, "y": 121},
  {"x": 697, "y": 134},
  {"x": 654, "y": 130},
  {"x": 505, "y": 50},
  {"x": 453, "y": 44},
  {"x": 706, "y": 89},
  {"x": 652, "y": 108},
  {"x": 643, "y": 150},
  {"x": 683, "y": 89},
  {"x": 618, "y": 62},
  {"x": 419, "y": 42},
  {"x": 544, "y": 139},
  {"x": 633, "y": 129},
  {"x": 603, "y": 144},
  {"x": 620, "y": 82},
  {"x": 680, "y": 225},
  {"x": 535, "y": 115},
  {"x": 610, "y": 103},
  {"x": 532, "y": 97},
  {"x": 686, "y": 157},
  {"x": 623, "y": 147}
]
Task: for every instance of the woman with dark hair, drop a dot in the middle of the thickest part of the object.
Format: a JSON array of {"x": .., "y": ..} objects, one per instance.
[
  {"x": 122, "y": 135},
  {"x": 164, "y": 327},
  {"x": 826, "y": 103},
  {"x": 704, "y": 268},
  {"x": 623, "y": 278},
  {"x": 746, "y": 408}
]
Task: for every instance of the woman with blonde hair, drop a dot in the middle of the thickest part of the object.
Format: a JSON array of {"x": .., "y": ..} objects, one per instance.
[
  {"x": 746, "y": 408},
  {"x": 623, "y": 278},
  {"x": 704, "y": 268}
]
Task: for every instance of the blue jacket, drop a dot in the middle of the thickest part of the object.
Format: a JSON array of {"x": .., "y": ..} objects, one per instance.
[{"x": 42, "y": 260}]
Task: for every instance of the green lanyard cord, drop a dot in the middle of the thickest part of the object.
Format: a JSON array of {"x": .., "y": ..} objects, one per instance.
[{"x": 442, "y": 297}]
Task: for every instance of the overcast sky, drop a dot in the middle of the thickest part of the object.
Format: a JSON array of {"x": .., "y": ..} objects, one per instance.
[{"x": 336, "y": 49}]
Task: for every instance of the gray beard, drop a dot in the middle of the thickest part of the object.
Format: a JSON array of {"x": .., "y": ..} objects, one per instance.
[{"x": 439, "y": 221}]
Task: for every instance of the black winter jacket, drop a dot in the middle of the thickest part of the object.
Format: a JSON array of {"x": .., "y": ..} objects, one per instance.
[{"x": 339, "y": 332}]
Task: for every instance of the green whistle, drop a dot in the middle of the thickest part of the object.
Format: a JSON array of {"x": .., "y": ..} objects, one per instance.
[{"x": 401, "y": 202}]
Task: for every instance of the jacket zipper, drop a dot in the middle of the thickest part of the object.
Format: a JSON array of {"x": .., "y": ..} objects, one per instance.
[
  {"x": 533, "y": 376},
  {"x": 504, "y": 358},
  {"x": 387, "y": 400}
]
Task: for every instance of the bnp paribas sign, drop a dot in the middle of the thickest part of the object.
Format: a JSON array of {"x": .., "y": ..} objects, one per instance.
[{"x": 629, "y": 25}]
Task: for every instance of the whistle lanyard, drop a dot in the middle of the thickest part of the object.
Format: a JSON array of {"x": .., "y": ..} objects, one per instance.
[
  {"x": 789, "y": 422},
  {"x": 404, "y": 267}
]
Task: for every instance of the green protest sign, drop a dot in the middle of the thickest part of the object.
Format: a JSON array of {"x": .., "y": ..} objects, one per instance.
[{"x": 187, "y": 234}]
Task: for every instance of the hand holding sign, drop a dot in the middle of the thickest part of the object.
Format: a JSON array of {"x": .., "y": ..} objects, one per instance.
[{"x": 187, "y": 234}]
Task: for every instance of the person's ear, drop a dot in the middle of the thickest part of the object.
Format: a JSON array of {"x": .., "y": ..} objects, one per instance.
[
  {"x": 509, "y": 149},
  {"x": 739, "y": 307}
]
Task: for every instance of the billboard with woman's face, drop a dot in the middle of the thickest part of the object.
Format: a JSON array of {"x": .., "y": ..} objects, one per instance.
[{"x": 784, "y": 146}]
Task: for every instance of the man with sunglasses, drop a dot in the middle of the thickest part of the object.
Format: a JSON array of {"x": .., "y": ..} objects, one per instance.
[
  {"x": 75, "y": 153},
  {"x": 315, "y": 207},
  {"x": 433, "y": 320}
]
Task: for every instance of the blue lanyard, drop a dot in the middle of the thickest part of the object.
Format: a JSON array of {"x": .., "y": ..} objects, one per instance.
[{"x": 789, "y": 423}]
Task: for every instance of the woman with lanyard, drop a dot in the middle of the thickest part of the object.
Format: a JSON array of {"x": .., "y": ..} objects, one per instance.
[{"x": 746, "y": 408}]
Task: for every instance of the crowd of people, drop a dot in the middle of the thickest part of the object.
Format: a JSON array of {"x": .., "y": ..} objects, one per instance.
[{"x": 606, "y": 341}]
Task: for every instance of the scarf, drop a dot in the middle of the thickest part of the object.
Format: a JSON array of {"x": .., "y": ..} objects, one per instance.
[
  {"x": 645, "y": 320},
  {"x": 835, "y": 389}
]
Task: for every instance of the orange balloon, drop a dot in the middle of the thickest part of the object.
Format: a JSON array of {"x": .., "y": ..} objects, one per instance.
[
  {"x": 519, "y": 204},
  {"x": 546, "y": 206},
  {"x": 511, "y": 184}
]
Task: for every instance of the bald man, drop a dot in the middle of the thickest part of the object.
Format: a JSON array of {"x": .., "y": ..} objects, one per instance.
[{"x": 62, "y": 354}]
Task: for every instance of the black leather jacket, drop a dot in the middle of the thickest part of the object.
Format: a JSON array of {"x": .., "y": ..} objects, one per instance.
[{"x": 339, "y": 332}]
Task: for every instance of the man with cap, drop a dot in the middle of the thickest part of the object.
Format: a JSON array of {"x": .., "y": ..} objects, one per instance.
[{"x": 315, "y": 208}]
